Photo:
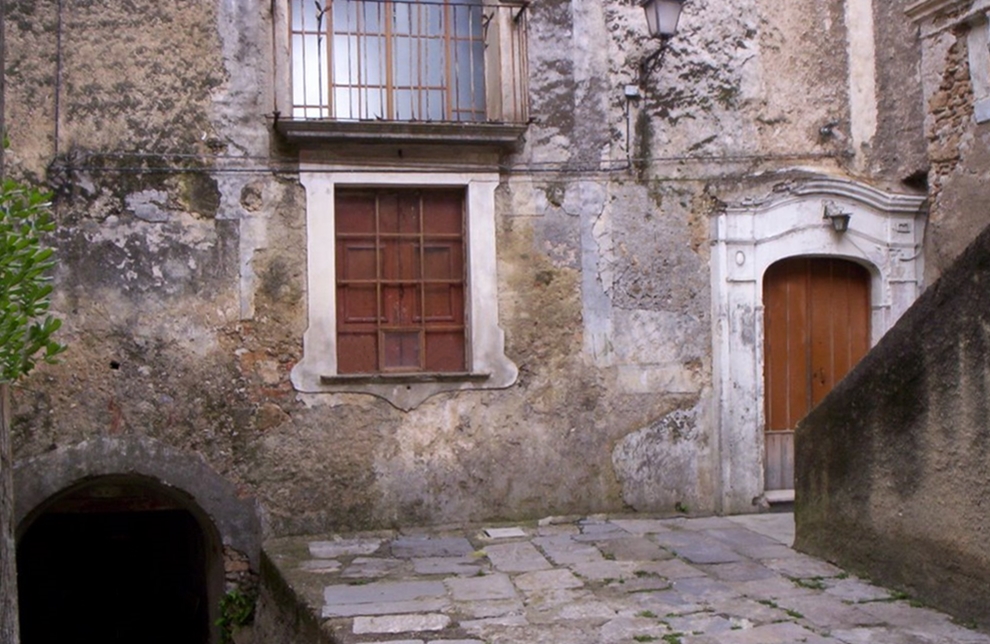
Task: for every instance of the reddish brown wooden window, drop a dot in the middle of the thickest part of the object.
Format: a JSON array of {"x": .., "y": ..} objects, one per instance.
[{"x": 400, "y": 281}]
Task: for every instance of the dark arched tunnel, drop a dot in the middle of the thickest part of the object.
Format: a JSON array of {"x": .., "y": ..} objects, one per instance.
[{"x": 114, "y": 560}]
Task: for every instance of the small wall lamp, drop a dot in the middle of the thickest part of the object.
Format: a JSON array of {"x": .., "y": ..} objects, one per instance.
[
  {"x": 662, "y": 17},
  {"x": 836, "y": 216}
]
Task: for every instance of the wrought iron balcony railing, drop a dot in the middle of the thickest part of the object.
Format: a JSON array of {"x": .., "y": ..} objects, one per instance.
[{"x": 439, "y": 61}]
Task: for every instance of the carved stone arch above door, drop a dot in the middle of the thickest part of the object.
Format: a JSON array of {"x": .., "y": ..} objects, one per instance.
[{"x": 885, "y": 235}]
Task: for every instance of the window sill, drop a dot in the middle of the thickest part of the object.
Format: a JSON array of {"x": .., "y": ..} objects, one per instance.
[
  {"x": 302, "y": 132},
  {"x": 402, "y": 378},
  {"x": 404, "y": 391}
]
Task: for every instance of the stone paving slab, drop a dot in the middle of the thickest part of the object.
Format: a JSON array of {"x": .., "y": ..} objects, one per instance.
[
  {"x": 520, "y": 556},
  {"x": 401, "y": 623},
  {"x": 448, "y": 566},
  {"x": 344, "y": 547},
  {"x": 497, "y": 586},
  {"x": 426, "y": 546},
  {"x": 600, "y": 580}
]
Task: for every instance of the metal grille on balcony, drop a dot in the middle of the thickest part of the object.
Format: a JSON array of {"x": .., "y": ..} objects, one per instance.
[{"x": 402, "y": 60}]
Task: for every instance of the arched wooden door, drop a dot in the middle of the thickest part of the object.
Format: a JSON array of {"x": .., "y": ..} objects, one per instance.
[{"x": 817, "y": 327}]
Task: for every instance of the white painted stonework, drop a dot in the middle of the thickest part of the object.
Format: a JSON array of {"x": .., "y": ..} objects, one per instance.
[
  {"x": 489, "y": 367},
  {"x": 978, "y": 44},
  {"x": 885, "y": 236},
  {"x": 862, "y": 75}
]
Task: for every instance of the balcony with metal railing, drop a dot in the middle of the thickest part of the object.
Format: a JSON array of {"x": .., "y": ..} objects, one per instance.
[{"x": 408, "y": 70}]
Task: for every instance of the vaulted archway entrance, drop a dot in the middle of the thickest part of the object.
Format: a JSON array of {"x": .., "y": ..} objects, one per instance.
[
  {"x": 816, "y": 328},
  {"x": 117, "y": 559}
]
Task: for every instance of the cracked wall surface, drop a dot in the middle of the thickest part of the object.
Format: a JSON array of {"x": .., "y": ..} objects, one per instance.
[{"x": 182, "y": 276}]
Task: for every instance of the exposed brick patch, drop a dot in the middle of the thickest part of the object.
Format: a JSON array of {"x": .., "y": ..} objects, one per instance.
[
  {"x": 237, "y": 573},
  {"x": 952, "y": 110}
]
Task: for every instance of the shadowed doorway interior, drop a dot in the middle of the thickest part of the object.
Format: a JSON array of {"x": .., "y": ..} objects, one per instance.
[{"x": 114, "y": 560}]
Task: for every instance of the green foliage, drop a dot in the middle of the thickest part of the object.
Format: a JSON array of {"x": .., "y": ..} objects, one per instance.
[
  {"x": 236, "y": 609},
  {"x": 26, "y": 329}
]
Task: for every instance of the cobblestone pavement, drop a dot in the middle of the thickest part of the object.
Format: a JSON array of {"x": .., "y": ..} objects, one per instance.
[{"x": 599, "y": 580}]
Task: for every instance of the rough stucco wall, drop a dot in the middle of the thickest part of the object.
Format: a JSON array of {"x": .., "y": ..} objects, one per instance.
[
  {"x": 894, "y": 462},
  {"x": 133, "y": 247},
  {"x": 183, "y": 288},
  {"x": 30, "y": 69}
]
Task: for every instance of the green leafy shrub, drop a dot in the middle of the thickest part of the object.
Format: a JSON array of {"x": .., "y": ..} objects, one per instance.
[
  {"x": 236, "y": 610},
  {"x": 26, "y": 329}
]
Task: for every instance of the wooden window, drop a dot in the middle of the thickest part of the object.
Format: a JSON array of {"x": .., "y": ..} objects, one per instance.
[{"x": 400, "y": 281}]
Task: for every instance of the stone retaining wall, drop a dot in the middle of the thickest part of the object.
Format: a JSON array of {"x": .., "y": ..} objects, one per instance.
[{"x": 894, "y": 465}]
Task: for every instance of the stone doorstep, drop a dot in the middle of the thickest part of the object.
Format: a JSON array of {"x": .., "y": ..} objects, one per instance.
[{"x": 779, "y": 496}]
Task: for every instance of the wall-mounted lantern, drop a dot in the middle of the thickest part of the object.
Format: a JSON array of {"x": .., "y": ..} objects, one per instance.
[
  {"x": 836, "y": 216},
  {"x": 662, "y": 17}
]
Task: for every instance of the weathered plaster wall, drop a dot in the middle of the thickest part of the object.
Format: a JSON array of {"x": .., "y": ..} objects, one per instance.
[
  {"x": 957, "y": 143},
  {"x": 893, "y": 465},
  {"x": 184, "y": 301},
  {"x": 898, "y": 154},
  {"x": 182, "y": 281}
]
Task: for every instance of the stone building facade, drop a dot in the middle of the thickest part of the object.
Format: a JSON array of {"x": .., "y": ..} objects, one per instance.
[{"x": 618, "y": 228}]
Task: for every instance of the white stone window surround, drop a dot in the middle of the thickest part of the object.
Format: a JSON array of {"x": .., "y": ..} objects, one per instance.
[
  {"x": 488, "y": 366},
  {"x": 885, "y": 236}
]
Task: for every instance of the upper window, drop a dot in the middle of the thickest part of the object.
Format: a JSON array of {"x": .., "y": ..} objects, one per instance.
[{"x": 407, "y": 60}]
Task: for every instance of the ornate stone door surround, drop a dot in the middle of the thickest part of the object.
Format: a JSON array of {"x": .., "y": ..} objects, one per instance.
[{"x": 885, "y": 235}]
